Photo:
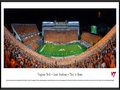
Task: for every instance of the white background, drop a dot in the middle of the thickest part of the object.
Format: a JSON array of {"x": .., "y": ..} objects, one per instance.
[{"x": 32, "y": 73}]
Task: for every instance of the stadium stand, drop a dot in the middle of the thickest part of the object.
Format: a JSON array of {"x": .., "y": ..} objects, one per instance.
[
  {"x": 60, "y": 36},
  {"x": 25, "y": 28},
  {"x": 60, "y": 32},
  {"x": 101, "y": 55},
  {"x": 91, "y": 39},
  {"x": 28, "y": 34}
]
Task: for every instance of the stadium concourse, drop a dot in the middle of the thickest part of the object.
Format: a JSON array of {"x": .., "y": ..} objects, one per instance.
[{"x": 100, "y": 55}]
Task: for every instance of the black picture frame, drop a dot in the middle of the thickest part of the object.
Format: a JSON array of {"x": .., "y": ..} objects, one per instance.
[{"x": 59, "y": 1}]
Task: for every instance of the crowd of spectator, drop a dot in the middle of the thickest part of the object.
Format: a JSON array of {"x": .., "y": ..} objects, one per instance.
[
  {"x": 29, "y": 34},
  {"x": 104, "y": 59},
  {"x": 90, "y": 38},
  {"x": 23, "y": 29}
]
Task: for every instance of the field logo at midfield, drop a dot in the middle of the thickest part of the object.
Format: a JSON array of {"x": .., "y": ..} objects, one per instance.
[
  {"x": 61, "y": 49},
  {"x": 42, "y": 48}
]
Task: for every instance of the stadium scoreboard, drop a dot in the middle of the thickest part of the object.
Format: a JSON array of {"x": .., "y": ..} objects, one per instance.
[{"x": 94, "y": 29}]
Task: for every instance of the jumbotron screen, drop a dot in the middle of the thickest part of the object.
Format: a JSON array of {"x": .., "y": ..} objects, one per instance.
[{"x": 94, "y": 29}]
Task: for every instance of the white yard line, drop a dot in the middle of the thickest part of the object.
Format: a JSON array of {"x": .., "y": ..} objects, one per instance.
[
  {"x": 42, "y": 48},
  {"x": 79, "y": 46}
]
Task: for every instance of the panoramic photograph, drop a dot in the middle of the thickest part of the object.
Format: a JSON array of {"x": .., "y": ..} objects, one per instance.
[{"x": 59, "y": 38}]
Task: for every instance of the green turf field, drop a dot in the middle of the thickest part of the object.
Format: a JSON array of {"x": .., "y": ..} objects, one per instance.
[{"x": 52, "y": 50}]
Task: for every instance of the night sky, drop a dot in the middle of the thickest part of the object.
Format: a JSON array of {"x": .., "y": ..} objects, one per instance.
[{"x": 87, "y": 17}]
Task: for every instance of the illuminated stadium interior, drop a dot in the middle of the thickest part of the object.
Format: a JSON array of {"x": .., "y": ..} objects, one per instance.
[{"x": 62, "y": 38}]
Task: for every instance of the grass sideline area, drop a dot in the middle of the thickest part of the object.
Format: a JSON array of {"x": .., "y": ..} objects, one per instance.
[{"x": 52, "y": 50}]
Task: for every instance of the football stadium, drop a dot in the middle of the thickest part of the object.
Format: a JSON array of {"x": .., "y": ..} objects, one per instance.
[{"x": 63, "y": 38}]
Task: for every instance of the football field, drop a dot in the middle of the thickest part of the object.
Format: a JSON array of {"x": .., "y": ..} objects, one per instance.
[{"x": 52, "y": 50}]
